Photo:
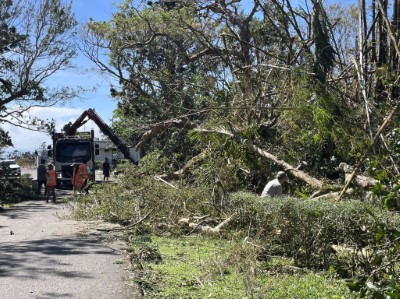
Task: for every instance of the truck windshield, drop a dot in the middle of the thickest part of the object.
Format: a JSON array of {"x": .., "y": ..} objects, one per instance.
[{"x": 73, "y": 152}]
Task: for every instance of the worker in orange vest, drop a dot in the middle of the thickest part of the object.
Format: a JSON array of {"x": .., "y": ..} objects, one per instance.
[
  {"x": 80, "y": 176},
  {"x": 51, "y": 182},
  {"x": 77, "y": 183},
  {"x": 85, "y": 174}
]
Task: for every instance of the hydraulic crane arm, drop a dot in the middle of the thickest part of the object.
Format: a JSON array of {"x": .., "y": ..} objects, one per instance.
[{"x": 71, "y": 128}]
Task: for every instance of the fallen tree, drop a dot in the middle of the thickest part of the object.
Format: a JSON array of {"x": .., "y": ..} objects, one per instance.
[
  {"x": 324, "y": 188},
  {"x": 294, "y": 171},
  {"x": 184, "y": 122}
]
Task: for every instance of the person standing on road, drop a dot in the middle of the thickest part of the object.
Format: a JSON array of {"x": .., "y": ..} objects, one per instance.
[
  {"x": 274, "y": 187},
  {"x": 77, "y": 183},
  {"x": 41, "y": 177},
  {"x": 106, "y": 169},
  {"x": 80, "y": 178},
  {"x": 84, "y": 171},
  {"x": 51, "y": 182}
]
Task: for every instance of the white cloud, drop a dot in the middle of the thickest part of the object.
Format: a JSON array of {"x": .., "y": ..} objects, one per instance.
[{"x": 26, "y": 140}]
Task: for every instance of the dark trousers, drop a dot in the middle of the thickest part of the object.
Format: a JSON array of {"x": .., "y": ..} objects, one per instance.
[
  {"x": 39, "y": 185},
  {"x": 85, "y": 187},
  {"x": 51, "y": 191}
]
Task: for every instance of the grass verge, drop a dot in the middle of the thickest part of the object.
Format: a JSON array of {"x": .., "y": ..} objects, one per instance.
[{"x": 204, "y": 267}]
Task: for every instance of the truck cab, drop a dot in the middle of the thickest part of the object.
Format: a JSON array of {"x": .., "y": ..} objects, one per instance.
[{"x": 69, "y": 150}]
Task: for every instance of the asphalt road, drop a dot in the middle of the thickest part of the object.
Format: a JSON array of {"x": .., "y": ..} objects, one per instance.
[{"x": 44, "y": 255}]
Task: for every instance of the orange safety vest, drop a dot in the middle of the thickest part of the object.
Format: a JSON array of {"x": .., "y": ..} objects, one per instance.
[
  {"x": 82, "y": 172},
  {"x": 77, "y": 181},
  {"x": 51, "y": 178},
  {"x": 79, "y": 176}
]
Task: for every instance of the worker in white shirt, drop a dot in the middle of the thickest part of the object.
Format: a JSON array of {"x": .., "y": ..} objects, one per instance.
[{"x": 274, "y": 187}]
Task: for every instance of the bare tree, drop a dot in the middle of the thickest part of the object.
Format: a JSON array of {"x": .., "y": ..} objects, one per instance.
[{"x": 37, "y": 41}]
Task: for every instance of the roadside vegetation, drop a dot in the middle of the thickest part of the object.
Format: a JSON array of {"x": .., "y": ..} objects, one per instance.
[
  {"x": 14, "y": 191},
  {"x": 289, "y": 247},
  {"x": 219, "y": 96}
]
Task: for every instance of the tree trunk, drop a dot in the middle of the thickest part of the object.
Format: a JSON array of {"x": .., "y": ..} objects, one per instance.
[
  {"x": 382, "y": 34},
  {"x": 395, "y": 31}
]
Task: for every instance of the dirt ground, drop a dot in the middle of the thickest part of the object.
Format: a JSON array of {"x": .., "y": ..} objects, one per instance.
[{"x": 44, "y": 254}]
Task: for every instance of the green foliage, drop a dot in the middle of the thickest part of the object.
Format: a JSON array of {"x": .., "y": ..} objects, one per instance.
[
  {"x": 14, "y": 191},
  {"x": 154, "y": 163},
  {"x": 5, "y": 139},
  {"x": 228, "y": 165},
  {"x": 178, "y": 73},
  {"x": 218, "y": 177},
  {"x": 355, "y": 239},
  {"x": 221, "y": 67},
  {"x": 387, "y": 191},
  {"x": 383, "y": 278},
  {"x": 162, "y": 82},
  {"x": 311, "y": 232},
  {"x": 220, "y": 64},
  {"x": 393, "y": 140},
  {"x": 204, "y": 267},
  {"x": 319, "y": 129},
  {"x": 344, "y": 238}
]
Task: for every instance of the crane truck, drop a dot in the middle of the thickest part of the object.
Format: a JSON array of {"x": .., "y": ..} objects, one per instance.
[
  {"x": 73, "y": 147},
  {"x": 68, "y": 150}
]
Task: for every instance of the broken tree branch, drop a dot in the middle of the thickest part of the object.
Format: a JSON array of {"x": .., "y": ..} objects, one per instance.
[
  {"x": 313, "y": 182},
  {"x": 156, "y": 129},
  {"x": 175, "y": 175},
  {"x": 129, "y": 226},
  {"x": 158, "y": 178},
  {"x": 179, "y": 122},
  {"x": 210, "y": 229}
]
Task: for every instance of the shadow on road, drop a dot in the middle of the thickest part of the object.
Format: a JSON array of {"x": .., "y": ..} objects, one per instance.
[
  {"x": 43, "y": 254},
  {"x": 25, "y": 211},
  {"x": 30, "y": 259}
]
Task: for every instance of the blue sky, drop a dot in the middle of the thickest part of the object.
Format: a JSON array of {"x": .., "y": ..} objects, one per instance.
[
  {"x": 100, "y": 100},
  {"x": 86, "y": 75}
]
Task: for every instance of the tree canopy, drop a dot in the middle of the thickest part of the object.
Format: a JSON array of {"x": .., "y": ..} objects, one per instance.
[{"x": 308, "y": 83}]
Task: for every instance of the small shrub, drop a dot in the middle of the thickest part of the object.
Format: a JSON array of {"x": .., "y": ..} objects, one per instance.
[
  {"x": 14, "y": 191},
  {"x": 307, "y": 230}
]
